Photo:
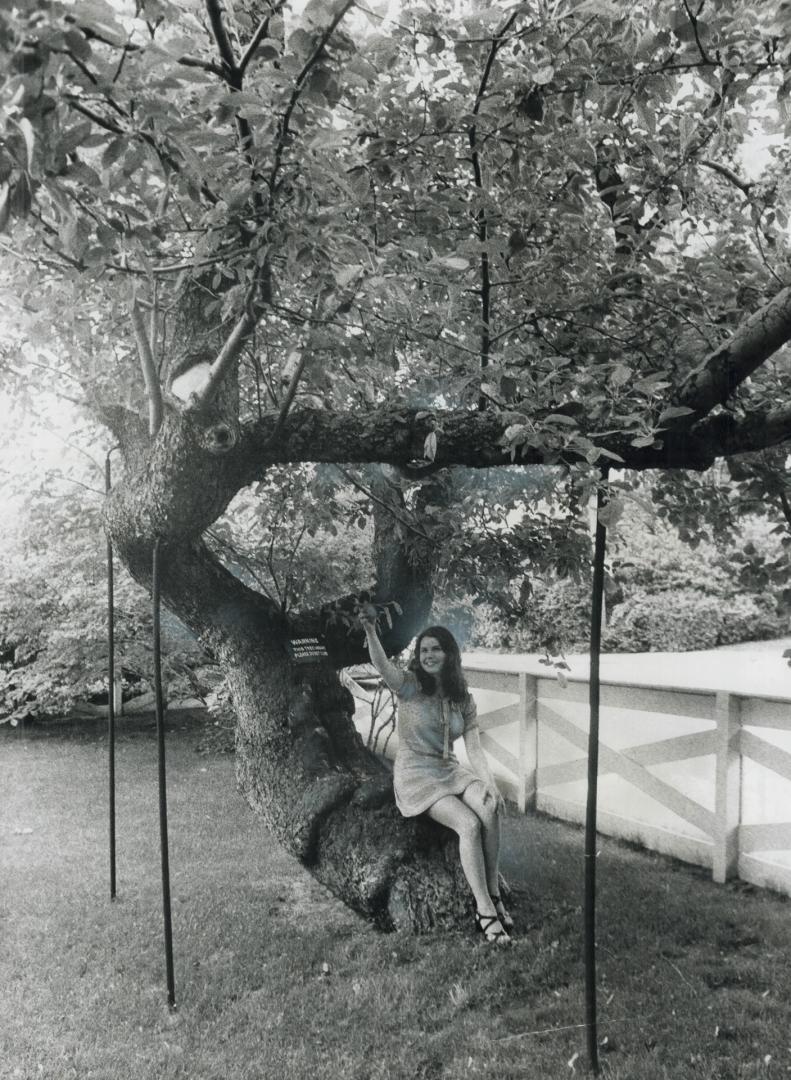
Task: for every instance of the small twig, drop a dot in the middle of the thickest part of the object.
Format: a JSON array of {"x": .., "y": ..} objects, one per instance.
[
  {"x": 72, "y": 446},
  {"x": 680, "y": 974},
  {"x": 204, "y": 65},
  {"x": 381, "y": 502},
  {"x": 483, "y": 223},
  {"x": 295, "y": 378},
  {"x": 153, "y": 318},
  {"x": 695, "y": 29},
  {"x": 786, "y": 506},
  {"x": 79, "y": 483},
  {"x": 576, "y": 1027},
  {"x": 262, "y": 30},
  {"x": 283, "y": 127},
  {"x": 729, "y": 174}
]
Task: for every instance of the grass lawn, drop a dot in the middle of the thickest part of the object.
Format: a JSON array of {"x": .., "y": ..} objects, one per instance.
[{"x": 276, "y": 979}]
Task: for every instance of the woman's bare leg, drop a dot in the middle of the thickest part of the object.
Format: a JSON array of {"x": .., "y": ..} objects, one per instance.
[
  {"x": 474, "y": 797},
  {"x": 486, "y": 811},
  {"x": 452, "y": 812}
]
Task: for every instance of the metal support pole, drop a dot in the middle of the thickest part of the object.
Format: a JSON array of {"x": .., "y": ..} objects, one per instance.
[
  {"x": 597, "y": 607},
  {"x": 111, "y": 683},
  {"x": 163, "y": 798}
]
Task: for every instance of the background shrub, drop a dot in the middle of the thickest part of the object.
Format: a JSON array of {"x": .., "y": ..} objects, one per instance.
[
  {"x": 661, "y": 595},
  {"x": 750, "y": 618},
  {"x": 672, "y": 621}
]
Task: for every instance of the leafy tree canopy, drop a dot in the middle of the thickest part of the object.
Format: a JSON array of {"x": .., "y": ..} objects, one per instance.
[{"x": 540, "y": 208}]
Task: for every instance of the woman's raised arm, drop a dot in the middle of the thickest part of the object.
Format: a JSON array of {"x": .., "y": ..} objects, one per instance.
[{"x": 392, "y": 675}]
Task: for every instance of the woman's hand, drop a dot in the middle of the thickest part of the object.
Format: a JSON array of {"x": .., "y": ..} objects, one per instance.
[
  {"x": 492, "y": 796},
  {"x": 368, "y": 616}
]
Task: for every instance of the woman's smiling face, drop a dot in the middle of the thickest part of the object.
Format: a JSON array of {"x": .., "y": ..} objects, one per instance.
[{"x": 432, "y": 656}]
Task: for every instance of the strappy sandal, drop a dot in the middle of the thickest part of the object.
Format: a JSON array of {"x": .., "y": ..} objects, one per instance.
[
  {"x": 502, "y": 914},
  {"x": 486, "y": 925}
]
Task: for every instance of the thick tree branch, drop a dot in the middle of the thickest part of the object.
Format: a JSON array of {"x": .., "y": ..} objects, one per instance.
[
  {"x": 126, "y": 426},
  {"x": 226, "y": 359},
  {"x": 233, "y": 76},
  {"x": 469, "y": 438},
  {"x": 148, "y": 364},
  {"x": 756, "y": 431},
  {"x": 753, "y": 342},
  {"x": 224, "y": 47}
]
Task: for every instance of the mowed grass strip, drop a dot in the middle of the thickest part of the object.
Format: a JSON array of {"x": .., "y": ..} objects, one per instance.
[{"x": 277, "y": 979}]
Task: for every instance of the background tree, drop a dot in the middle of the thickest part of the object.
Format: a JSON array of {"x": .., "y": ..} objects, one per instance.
[{"x": 454, "y": 238}]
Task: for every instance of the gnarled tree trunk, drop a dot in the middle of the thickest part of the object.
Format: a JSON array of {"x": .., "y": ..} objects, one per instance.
[{"x": 301, "y": 763}]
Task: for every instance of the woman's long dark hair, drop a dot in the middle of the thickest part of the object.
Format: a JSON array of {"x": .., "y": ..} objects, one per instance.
[{"x": 453, "y": 681}]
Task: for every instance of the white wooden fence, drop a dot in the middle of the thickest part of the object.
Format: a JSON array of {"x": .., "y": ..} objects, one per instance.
[
  {"x": 698, "y": 775},
  {"x": 701, "y": 775}
]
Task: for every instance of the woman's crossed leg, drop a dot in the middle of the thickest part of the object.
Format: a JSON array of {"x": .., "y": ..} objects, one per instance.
[{"x": 475, "y": 823}]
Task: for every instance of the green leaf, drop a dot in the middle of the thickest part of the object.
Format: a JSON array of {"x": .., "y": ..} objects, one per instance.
[
  {"x": 28, "y": 135},
  {"x": 453, "y": 262},
  {"x": 113, "y": 152},
  {"x": 673, "y": 412},
  {"x": 78, "y": 44},
  {"x": 621, "y": 375},
  {"x": 344, "y": 275}
]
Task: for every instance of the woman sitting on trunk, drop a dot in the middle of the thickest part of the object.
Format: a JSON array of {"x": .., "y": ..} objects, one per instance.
[{"x": 435, "y": 708}]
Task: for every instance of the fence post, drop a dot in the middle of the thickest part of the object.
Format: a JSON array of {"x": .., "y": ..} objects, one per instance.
[
  {"x": 728, "y": 794},
  {"x": 528, "y": 741}
]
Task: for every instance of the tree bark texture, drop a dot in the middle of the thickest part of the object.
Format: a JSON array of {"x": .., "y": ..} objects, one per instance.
[{"x": 475, "y": 440}]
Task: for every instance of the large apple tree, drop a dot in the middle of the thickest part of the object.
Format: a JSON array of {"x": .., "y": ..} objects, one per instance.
[{"x": 400, "y": 240}]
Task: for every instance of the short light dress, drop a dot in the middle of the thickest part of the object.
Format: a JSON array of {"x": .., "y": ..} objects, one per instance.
[{"x": 426, "y": 769}]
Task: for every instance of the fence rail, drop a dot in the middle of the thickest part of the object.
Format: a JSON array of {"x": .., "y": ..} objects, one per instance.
[{"x": 700, "y": 775}]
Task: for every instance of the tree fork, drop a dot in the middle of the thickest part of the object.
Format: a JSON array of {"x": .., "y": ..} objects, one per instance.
[{"x": 300, "y": 762}]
